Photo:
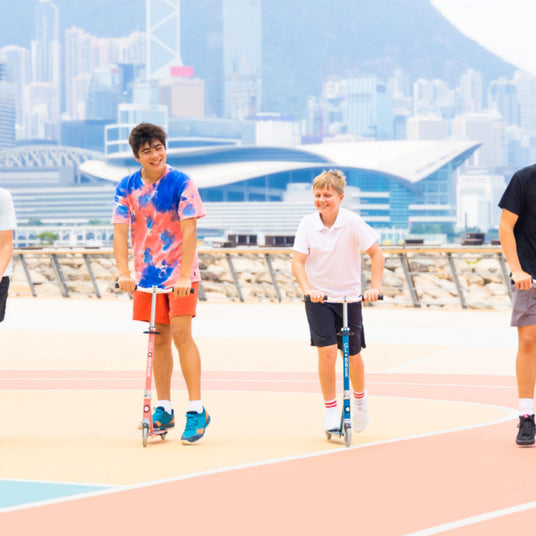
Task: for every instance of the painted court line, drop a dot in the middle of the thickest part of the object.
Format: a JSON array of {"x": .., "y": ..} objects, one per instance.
[
  {"x": 510, "y": 414},
  {"x": 59, "y": 482},
  {"x": 473, "y": 520}
]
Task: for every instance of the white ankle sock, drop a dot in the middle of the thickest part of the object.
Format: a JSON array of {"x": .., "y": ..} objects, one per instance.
[
  {"x": 526, "y": 406},
  {"x": 330, "y": 403},
  {"x": 166, "y": 404},
  {"x": 195, "y": 405}
]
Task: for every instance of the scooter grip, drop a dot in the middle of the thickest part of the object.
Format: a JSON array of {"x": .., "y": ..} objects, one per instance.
[
  {"x": 307, "y": 298},
  {"x": 192, "y": 290}
]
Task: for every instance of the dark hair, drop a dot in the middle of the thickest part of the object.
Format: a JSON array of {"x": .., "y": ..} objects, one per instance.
[{"x": 146, "y": 133}]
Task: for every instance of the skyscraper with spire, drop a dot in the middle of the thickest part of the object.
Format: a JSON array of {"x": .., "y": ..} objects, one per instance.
[{"x": 43, "y": 97}]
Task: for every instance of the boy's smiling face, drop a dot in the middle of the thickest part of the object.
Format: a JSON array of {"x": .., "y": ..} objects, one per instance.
[
  {"x": 327, "y": 202},
  {"x": 152, "y": 157}
]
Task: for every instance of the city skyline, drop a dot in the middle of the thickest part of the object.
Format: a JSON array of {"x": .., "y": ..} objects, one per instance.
[
  {"x": 497, "y": 25},
  {"x": 210, "y": 89}
]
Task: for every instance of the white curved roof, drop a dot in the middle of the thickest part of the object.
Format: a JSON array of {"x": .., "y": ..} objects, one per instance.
[{"x": 411, "y": 161}]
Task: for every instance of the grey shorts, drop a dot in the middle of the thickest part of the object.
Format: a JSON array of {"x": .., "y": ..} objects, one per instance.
[
  {"x": 524, "y": 307},
  {"x": 4, "y": 287}
]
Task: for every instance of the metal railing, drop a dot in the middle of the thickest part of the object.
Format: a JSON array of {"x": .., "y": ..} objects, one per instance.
[{"x": 466, "y": 277}]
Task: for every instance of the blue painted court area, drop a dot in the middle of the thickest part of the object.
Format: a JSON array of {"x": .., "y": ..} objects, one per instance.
[{"x": 19, "y": 492}]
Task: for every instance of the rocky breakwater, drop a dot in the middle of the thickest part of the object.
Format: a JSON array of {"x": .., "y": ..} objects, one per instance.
[
  {"x": 44, "y": 268},
  {"x": 428, "y": 279},
  {"x": 472, "y": 279}
]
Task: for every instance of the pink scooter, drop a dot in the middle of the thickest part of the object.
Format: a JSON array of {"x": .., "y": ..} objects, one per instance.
[{"x": 146, "y": 425}]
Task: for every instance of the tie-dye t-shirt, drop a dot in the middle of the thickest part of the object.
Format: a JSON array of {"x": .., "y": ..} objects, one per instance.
[{"x": 154, "y": 212}]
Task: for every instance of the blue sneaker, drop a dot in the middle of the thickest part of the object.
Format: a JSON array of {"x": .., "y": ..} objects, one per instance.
[
  {"x": 162, "y": 420},
  {"x": 196, "y": 424}
]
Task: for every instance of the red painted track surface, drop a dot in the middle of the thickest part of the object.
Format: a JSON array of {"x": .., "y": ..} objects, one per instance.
[{"x": 463, "y": 480}]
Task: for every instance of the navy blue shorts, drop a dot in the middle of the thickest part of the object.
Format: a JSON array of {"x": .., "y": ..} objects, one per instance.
[
  {"x": 325, "y": 323},
  {"x": 4, "y": 287}
]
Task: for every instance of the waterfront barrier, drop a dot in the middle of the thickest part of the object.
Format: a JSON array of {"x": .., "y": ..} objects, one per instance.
[{"x": 442, "y": 276}]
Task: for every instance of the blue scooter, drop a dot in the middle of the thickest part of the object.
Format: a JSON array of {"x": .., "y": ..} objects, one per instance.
[{"x": 345, "y": 427}]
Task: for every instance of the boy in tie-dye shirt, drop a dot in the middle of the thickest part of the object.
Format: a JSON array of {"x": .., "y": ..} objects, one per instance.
[{"x": 160, "y": 206}]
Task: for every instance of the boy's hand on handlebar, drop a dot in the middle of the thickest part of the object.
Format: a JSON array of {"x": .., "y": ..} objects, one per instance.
[
  {"x": 371, "y": 295},
  {"x": 182, "y": 287},
  {"x": 126, "y": 283},
  {"x": 315, "y": 296}
]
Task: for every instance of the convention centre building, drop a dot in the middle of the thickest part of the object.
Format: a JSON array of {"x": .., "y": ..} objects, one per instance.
[{"x": 262, "y": 189}]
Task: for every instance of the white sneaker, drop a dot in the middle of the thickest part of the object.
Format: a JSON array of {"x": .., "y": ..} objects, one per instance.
[
  {"x": 332, "y": 419},
  {"x": 360, "y": 414}
]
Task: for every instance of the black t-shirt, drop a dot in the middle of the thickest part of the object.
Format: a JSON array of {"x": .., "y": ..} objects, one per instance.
[{"x": 520, "y": 198}]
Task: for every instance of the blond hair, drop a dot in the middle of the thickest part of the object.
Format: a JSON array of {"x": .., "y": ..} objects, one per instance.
[{"x": 334, "y": 179}]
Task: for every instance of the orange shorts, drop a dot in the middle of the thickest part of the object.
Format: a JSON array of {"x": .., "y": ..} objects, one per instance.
[{"x": 167, "y": 306}]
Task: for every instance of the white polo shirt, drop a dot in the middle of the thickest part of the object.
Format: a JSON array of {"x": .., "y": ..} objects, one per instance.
[
  {"x": 7, "y": 220},
  {"x": 333, "y": 262}
]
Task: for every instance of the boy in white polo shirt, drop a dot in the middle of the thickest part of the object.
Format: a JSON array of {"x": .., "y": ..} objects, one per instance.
[{"x": 327, "y": 262}]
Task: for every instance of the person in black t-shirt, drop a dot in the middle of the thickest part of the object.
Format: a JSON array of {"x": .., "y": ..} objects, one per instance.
[{"x": 517, "y": 232}]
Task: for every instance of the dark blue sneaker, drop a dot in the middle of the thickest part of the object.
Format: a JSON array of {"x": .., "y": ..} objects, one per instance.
[
  {"x": 195, "y": 426},
  {"x": 527, "y": 429},
  {"x": 162, "y": 420}
]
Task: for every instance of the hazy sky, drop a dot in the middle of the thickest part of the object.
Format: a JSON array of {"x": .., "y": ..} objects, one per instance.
[{"x": 505, "y": 27}]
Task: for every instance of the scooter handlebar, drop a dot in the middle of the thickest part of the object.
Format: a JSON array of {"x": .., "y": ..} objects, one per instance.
[
  {"x": 308, "y": 298},
  {"x": 156, "y": 290}
]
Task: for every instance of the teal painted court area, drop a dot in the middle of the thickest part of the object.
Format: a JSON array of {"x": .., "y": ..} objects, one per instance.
[{"x": 21, "y": 492}]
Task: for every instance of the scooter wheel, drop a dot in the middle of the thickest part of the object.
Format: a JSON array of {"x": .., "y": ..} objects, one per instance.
[
  {"x": 347, "y": 435},
  {"x": 328, "y": 435},
  {"x": 163, "y": 436},
  {"x": 144, "y": 435}
]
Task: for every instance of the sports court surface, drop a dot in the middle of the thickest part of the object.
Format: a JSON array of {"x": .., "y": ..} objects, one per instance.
[{"x": 437, "y": 458}]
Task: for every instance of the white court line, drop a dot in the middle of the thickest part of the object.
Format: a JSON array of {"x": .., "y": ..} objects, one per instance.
[
  {"x": 510, "y": 414},
  {"x": 422, "y": 359},
  {"x": 54, "y": 482},
  {"x": 474, "y": 519}
]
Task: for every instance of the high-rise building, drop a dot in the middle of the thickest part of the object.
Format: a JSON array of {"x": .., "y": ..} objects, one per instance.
[
  {"x": 104, "y": 93},
  {"x": 431, "y": 96},
  {"x": 163, "y": 37},
  {"x": 399, "y": 88},
  {"x": 326, "y": 116},
  {"x": 46, "y": 46},
  {"x": 7, "y": 107},
  {"x": 486, "y": 127},
  {"x": 477, "y": 192},
  {"x": 471, "y": 91},
  {"x": 183, "y": 95},
  {"x": 526, "y": 94},
  {"x": 502, "y": 96},
  {"x": 17, "y": 60},
  {"x": 46, "y": 75},
  {"x": 426, "y": 127},
  {"x": 81, "y": 58},
  {"x": 369, "y": 110},
  {"x": 516, "y": 148},
  {"x": 225, "y": 51},
  {"x": 242, "y": 61},
  {"x": 41, "y": 111}
]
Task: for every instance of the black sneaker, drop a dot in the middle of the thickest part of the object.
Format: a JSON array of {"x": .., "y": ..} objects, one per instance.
[{"x": 525, "y": 436}]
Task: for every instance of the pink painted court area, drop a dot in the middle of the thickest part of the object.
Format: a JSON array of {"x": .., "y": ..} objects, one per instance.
[{"x": 438, "y": 457}]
